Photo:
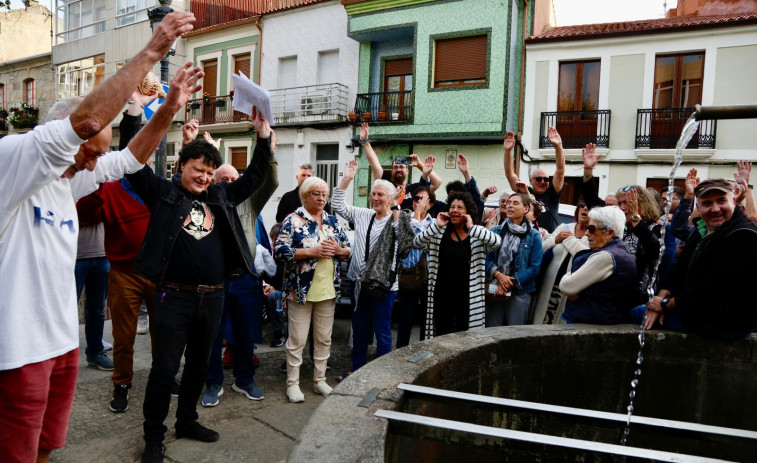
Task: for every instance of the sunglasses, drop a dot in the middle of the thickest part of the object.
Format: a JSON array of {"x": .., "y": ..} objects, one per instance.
[
  {"x": 591, "y": 229},
  {"x": 89, "y": 154},
  {"x": 541, "y": 179},
  {"x": 626, "y": 189}
]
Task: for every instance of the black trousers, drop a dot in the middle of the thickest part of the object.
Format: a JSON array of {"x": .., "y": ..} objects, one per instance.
[{"x": 184, "y": 322}]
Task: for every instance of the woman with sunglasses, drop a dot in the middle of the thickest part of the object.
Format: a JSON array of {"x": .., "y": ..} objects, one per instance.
[
  {"x": 457, "y": 249},
  {"x": 513, "y": 268},
  {"x": 565, "y": 242},
  {"x": 601, "y": 284},
  {"x": 642, "y": 233}
]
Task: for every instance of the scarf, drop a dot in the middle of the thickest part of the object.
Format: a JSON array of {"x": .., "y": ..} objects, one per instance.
[{"x": 511, "y": 236}]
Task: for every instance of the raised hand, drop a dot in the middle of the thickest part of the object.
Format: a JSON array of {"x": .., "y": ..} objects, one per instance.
[
  {"x": 509, "y": 143},
  {"x": 554, "y": 137},
  {"x": 741, "y": 191},
  {"x": 169, "y": 29},
  {"x": 364, "y": 131},
  {"x": 142, "y": 99},
  {"x": 521, "y": 187},
  {"x": 183, "y": 85},
  {"x": 190, "y": 130},
  {"x": 744, "y": 169},
  {"x": 350, "y": 169},
  {"x": 691, "y": 182},
  {"x": 462, "y": 164},
  {"x": 209, "y": 139},
  {"x": 488, "y": 191},
  {"x": 261, "y": 125},
  {"x": 442, "y": 219},
  {"x": 590, "y": 156},
  {"x": 414, "y": 160},
  {"x": 428, "y": 165},
  {"x": 632, "y": 201}
]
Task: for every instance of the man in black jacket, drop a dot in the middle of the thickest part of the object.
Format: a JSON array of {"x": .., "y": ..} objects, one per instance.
[
  {"x": 189, "y": 270},
  {"x": 708, "y": 293}
]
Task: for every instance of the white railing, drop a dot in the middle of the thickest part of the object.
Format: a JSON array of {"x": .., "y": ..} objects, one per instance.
[{"x": 309, "y": 104}]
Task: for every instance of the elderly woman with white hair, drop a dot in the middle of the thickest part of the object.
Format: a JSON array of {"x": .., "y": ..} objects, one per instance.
[
  {"x": 372, "y": 239},
  {"x": 601, "y": 286},
  {"x": 310, "y": 244}
]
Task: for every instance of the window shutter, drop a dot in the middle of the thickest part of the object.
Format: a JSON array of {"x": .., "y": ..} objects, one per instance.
[
  {"x": 239, "y": 158},
  {"x": 242, "y": 63},
  {"x": 462, "y": 58},
  {"x": 398, "y": 67}
]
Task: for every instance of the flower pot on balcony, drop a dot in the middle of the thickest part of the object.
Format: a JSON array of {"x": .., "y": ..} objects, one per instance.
[
  {"x": 365, "y": 116},
  {"x": 381, "y": 115},
  {"x": 220, "y": 103},
  {"x": 194, "y": 105},
  {"x": 352, "y": 117}
]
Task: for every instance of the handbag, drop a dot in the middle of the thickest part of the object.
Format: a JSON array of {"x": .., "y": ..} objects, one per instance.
[
  {"x": 373, "y": 288},
  {"x": 414, "y": 278}
]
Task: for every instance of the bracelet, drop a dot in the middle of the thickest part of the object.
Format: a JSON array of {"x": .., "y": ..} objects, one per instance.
[
  {"x": 363, "y": 142},
  {"x": 132, "y": 102},
  {"x": 751, "y": 187}
]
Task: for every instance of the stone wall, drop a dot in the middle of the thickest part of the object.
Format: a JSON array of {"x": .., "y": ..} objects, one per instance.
[{"x": 13, "y": 74}]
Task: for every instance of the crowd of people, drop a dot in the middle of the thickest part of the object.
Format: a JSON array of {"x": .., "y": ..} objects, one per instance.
[{"x": 195, "y": 252}]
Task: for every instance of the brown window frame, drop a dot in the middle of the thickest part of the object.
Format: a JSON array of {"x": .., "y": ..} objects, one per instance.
[
  {"x": 448, "y": 53},
  {"x": 677, "y": 78}
]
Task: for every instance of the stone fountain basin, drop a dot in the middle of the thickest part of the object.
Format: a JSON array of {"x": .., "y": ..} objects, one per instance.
[{"x": 684, "y": 377}]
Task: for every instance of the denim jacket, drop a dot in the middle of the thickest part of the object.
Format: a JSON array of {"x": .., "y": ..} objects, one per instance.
[
  {"x": 298, "y": 231},
  {"x": 527, "y": 261},
  {"x": 170, "y": 204}
]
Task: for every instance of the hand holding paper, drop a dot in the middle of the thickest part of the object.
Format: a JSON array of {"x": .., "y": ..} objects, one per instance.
[{"x": 248, "y": 94}]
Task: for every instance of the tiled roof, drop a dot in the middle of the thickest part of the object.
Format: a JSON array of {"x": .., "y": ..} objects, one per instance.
[
  {"x": 218, "y": 27},
  {"x": 644, "y": 26}
]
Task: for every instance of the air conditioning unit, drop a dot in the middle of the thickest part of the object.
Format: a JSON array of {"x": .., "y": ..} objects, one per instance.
[{"x": 314, "y": 104}]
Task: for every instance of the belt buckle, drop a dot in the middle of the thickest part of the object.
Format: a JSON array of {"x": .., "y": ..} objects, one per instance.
[{"x": 205, "y": 288}]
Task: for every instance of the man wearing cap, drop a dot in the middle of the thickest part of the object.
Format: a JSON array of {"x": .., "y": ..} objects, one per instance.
[{"x": 707, "y": 294}]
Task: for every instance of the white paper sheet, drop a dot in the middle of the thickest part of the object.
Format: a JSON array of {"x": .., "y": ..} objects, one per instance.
[{"x": 248, "y": 94}]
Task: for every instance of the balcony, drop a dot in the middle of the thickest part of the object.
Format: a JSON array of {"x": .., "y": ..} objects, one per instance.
[
  {"x": 661, "y": 129},
  {"x": 309, "y": 105},
  {"x": 577, "y": 128},
  {"x": 384, "y": 107},
  {"x": 217, "y": 111}
]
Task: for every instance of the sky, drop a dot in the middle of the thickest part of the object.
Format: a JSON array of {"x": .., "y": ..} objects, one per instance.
[
  {"x": 567, "y": 12},
  {"x": 574, "y": 12}
]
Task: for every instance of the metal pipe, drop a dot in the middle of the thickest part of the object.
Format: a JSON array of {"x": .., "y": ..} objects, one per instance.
[{"x": 725, "y": 112}]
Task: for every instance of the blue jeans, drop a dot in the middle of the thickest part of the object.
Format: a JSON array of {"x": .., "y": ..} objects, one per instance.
[
  {"x": 93, "y": 273},
  {"x": 378, "y": 312},
  {"x": 242, "y": 304},
  {"x": 184, "y": 322}
]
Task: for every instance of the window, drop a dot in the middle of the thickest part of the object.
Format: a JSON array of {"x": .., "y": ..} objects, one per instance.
[
  {"x": 29, "y": 91},
  {"x": 327, "y": 164},
  {"x": 578, "y": 86},
  {"x": 287, "y": 72},
  {"x": 328, "y": 67},
  {"x": 678, "y": 80},
  {"x": 78, "y": 78},
  {"x": 242, "y": 64},
  {"x": 132, "y": 11},
  {"x": 461, "y": 61},
  {"x": 239, "y": 158},
  {"x": 81, "y": 18}
]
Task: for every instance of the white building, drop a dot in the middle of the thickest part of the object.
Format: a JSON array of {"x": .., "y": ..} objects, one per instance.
[{"x": 644, "y": 77}]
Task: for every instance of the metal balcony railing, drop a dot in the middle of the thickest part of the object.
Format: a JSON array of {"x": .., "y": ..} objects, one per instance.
[
  {"x": 213, "y": 110},
  {"x": 384, "y": 107},
  {"x": 577, "y": 128},
  {"x": 661, "y": 129},
  {"x": 311, "y": 104}
]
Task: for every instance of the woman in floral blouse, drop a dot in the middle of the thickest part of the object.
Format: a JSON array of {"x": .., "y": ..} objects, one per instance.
[{"x": 310, "y": 245}]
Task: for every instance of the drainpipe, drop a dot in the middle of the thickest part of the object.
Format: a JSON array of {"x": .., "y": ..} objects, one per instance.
[
  {"x": 521, "y": 95},
  {"x": 260, "y": 44}
]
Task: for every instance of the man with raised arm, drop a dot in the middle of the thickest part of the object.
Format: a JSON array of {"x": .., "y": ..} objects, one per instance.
[
  {"x": 548, "y": 193},
  {"x": 399, "y": 173},
  {"x": 39, "y": 336}
]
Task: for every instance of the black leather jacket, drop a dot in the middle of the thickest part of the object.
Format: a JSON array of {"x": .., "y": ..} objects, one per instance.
[{"x": 170, "y": 204}]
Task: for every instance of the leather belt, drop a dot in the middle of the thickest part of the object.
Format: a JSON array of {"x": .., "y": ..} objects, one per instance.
[{"x": 195, "y": 288}]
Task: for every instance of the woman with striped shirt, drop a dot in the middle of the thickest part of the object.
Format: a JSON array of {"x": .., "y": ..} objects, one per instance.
[{"x": 457, "y": 251}]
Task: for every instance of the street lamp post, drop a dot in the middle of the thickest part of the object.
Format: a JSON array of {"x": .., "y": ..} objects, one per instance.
[{"x": 156, "y": 15}]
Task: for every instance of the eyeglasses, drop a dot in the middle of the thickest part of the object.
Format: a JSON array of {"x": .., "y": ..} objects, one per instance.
[
  {"x": 418, "y": 198},
  {"x": 318, "y": 194},
  {"x": 591, "y": 229},
  {"x": 89, "y": 154},
  {"x": 541, "y": 179}
]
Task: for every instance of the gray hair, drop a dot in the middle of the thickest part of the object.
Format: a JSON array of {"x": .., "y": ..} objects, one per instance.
[
  {"x": 387, "y": 186},
  {"x": 611, "y": 218},
  {"x": 306, "y": 166},
  {"x": 310, "y": 184},
  {"x": 63, "y": 108}
]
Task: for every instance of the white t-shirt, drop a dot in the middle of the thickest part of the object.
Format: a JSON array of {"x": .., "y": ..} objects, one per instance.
[{"x": 38, "y": 239}]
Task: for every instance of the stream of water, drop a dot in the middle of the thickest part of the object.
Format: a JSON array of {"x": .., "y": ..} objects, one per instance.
[{"x": 687, "y": 133}]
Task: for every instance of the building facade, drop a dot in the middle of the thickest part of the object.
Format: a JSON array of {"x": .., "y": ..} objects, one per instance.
[
  {"x": 630, "y": 87},
  {"x": 25, "y": 83}
]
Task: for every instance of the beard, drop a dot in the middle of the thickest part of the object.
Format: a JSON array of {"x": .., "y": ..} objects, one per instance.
[{"x": 398, "y": 178}]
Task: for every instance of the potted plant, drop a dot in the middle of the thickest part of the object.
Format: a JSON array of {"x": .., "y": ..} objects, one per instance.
[
  {"x": 365, "y": 116},
  {"x": 220, "y": 103},
  {"x": 24, "y": 117},
  {"x": 381, "y": 115},
  {"x": 352, "y": 116},
  {"x": 206, "y": 98},
  {"x": 194, "y": 105}
]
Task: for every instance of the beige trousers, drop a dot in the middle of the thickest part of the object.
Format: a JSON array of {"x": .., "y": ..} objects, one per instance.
[{"x": 322, "y": 313}]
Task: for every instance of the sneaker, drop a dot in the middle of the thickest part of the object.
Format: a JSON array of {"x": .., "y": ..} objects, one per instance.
[
  {"x": 322, "y": 388},
  {"x": 198, "y": 432},
  {"x": 278, "y": 340},
  {"x": 143, "y": 325},
  {"x": 212, "y": 393},
  {"x": 100, "y": 361},
  {"x": 107, "y": 346},
  {"x": 119, "y": 403},
  {"x": 175, "y": 387},
  {"x": 153, "y": 453},
  {"x": 294, "y": 394},
  {"x": 251, "y": 391}
]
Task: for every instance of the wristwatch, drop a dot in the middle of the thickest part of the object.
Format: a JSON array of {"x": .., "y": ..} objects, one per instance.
[
  {"x": 636, "y": 218},
  {"x": 396, "y": 207}
]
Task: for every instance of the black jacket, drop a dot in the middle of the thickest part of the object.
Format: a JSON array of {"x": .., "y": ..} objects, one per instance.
[
  {"x": 170, "y": 204},
  {"x": 713, "y": 279}
]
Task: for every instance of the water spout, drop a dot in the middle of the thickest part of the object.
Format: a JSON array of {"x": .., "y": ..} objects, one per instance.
[{"x": 725, "y": 112}]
